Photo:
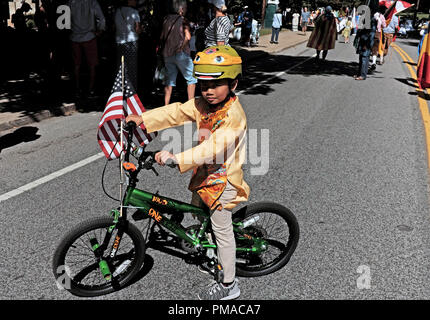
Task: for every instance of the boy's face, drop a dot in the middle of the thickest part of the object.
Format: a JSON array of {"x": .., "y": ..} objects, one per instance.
[{"x": 216, "y": 91}]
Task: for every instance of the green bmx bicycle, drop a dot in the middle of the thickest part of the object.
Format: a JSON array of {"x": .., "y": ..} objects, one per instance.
[{"x": 102, "y": 255}]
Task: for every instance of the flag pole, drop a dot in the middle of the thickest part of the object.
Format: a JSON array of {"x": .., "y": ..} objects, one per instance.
[{"x": 122, "y": 135}]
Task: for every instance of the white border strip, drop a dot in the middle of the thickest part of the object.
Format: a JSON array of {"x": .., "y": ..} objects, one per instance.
[{"x": 50, "y": 177}]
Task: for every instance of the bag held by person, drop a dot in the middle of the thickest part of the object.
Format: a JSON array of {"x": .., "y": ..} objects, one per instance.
[{"x": 160, "y": 73}]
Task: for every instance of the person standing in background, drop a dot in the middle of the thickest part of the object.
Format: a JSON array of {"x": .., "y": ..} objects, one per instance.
[
  {"x": 247, "y": 26},
  {"x": 377, "y": 48},
  {"x": 389, "y": 32},
  {"x": 295, "y": 21},
  {"x": 218, "y": 31},
  {"x": 276, "y": 26},
  {"x": 127, "y": 26},
  {"x": 176, "y": 51},
  {"x": 346, "y": 32},
  {"x": 84, "y": 14},
  {"x": 304, "y": 19},
  {"x": 364, "y": 43},
  {"x": 323, "y": 37}
]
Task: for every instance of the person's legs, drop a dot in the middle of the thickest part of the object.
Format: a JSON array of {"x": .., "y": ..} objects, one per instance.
[
  {"x": 277, "y": 34},
  {"x": 172, "y": 73},
  {"x": 167, "y": 94},
  {"x": 185, "y": 65},
  {"x": 324, "y": 54},
  {"x": 273, "y": 35},
  {"x": 130, "y": 52},
  {"x": 191, "y": 91},
  {"x": 91, "y": 54},
  {"x": 222, "y": 227},
  {"x": 247, "y": 36},
  {"x": 364, "y": 67},
  {"x": 360, "y": 63},
  {"x": 77, "y": 59}
]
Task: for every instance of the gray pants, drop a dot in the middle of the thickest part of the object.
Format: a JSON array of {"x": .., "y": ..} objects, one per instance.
[
  {"x": 129, "y": 50},
  {"x": 223, "y": 230}
]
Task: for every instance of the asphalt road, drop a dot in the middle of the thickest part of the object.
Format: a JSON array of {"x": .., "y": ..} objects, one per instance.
[{"x": 348, "y": 157}]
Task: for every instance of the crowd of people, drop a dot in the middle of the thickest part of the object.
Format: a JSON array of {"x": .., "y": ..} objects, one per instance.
[
  {"x": 102, "y": 35},
  {"x": 90, "y": 52},
  {"x": 370, "y": 43}
]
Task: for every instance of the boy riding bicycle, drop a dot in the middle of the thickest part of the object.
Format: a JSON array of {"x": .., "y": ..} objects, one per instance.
[{"x": 217, "y": 160}]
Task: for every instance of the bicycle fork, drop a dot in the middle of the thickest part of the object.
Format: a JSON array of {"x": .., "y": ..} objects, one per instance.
[{"x": 99, "y": 249}]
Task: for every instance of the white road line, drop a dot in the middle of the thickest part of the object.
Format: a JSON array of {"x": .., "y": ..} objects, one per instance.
[
  {"x": 86, "y": 161},
  {"x": 50, "y": 177}
]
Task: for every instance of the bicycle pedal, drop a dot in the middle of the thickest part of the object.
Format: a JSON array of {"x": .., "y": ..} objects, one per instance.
[{"x": 219, "y": 273}]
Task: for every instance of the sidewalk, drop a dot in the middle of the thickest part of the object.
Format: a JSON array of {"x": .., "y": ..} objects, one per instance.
[{"x": 18, "y": 114}]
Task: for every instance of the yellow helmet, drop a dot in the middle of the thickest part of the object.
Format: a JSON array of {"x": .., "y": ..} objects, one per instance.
[{"x": 217, "y": 62}]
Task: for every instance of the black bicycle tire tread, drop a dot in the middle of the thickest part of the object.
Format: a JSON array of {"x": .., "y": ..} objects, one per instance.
[
  {"x": 81, "y": 228},
  {"x": 294, "y": 230}
]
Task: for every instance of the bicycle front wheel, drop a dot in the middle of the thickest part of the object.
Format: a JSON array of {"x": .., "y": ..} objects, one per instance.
[
  {"x": 78, "y": 270},
  {"x": 276, "y": 230}
]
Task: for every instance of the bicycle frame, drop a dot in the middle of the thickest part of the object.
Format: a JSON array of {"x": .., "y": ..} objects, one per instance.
[{"x": 156, "y": 207}]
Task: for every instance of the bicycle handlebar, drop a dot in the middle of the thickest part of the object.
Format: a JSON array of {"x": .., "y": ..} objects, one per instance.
[
  {"x": 146, "y": 159},
  {"x": 170, "y": 163}
]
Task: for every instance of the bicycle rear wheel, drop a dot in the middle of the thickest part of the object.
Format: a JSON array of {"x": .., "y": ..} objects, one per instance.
[
  {"x": 76, "y": 267},
  {"x": 278, "y": 229}
]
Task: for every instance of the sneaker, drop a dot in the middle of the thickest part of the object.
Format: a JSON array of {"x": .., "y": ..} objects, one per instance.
[{"x": 217, "y": 291}]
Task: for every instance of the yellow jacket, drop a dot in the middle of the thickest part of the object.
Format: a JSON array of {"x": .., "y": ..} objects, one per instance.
[{"x": 227, "y": 144}]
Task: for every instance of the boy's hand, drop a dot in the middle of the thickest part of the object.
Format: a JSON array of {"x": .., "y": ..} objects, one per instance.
[
  {"x": 162, "y": 156},
  {"x": 135, "y": 118}
]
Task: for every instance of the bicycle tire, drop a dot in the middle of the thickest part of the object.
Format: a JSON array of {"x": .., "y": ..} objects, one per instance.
[
  {"x": 74, "y": 286},
  {"x": 285, "y": 215}
]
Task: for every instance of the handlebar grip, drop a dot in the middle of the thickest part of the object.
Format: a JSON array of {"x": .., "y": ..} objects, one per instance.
[
  {"x": 170, "y": 163},
  {"x": 130, "y": 126}
]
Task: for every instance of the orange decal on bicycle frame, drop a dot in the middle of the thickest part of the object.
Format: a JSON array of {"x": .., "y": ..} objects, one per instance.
[
  {"x": 155, "y": 214},
  {"x": 159, "y": 200},
  {"x": 116, "y": 242}
]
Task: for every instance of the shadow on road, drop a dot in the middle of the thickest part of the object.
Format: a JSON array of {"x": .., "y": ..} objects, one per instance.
[
  {"x": 32, "y": 94},
  {"x": 408, "y": 81},
  {"x": 260, "y": 74},
  {"x": 422, "y": 94},
  {"x": 23, "y": 134}
]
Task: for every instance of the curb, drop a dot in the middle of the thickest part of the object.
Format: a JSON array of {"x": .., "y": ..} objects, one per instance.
[
  {"x": 68, "y": 109},
  {"x": 64, "y": 110}
]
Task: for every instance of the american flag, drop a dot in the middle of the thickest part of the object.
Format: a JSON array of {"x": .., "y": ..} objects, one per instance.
[
  {"x": 395, "y": 7},
  {"x": 116, "y": 111}
]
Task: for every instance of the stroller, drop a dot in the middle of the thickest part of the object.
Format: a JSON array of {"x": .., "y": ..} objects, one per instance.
[{"x": 255, "y": 33}]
